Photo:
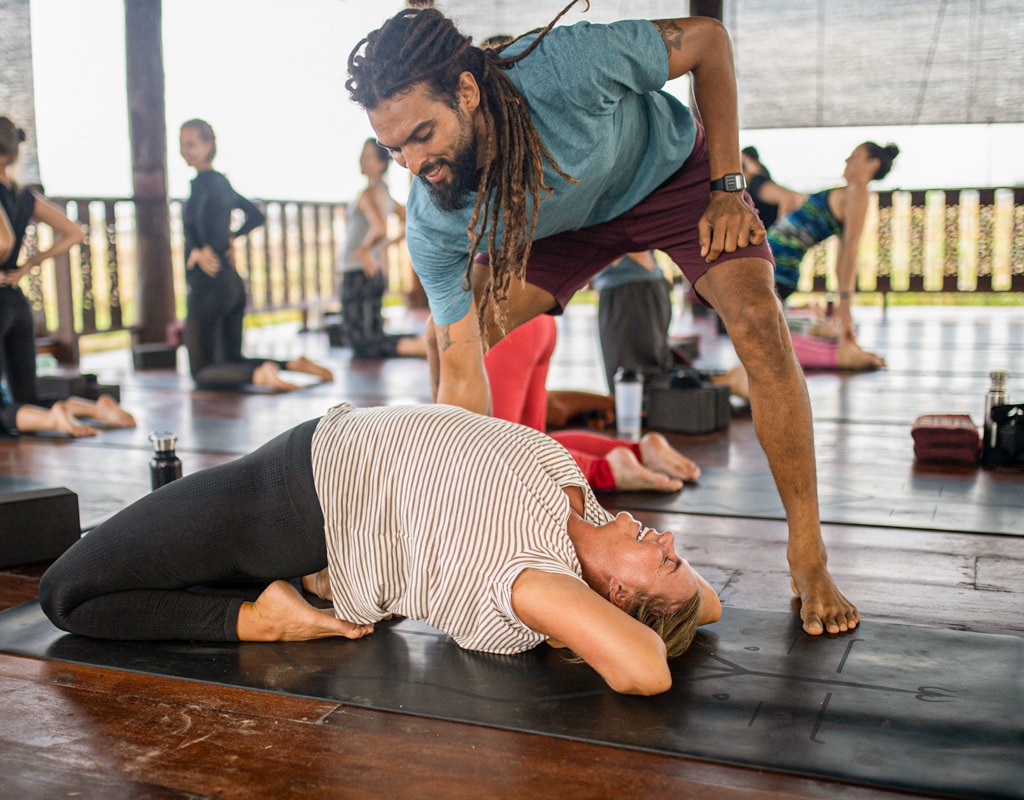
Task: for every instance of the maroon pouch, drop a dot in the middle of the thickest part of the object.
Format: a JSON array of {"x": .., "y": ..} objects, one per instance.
[{"x": 946, "y": 438}]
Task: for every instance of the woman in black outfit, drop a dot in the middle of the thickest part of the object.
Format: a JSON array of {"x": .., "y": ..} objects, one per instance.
[
  {"x": 21, "y": 411},
  {"x": 216, "y": 292}
]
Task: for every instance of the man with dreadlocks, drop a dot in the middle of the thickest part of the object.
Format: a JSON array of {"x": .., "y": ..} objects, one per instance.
[{"x": 540, "y": 161}]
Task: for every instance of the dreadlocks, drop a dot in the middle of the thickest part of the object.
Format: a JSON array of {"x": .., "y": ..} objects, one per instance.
[{"x": 423, "y": 46}]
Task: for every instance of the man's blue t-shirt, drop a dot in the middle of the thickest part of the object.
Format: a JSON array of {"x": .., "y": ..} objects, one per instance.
[{"x": 594, "y": 96}]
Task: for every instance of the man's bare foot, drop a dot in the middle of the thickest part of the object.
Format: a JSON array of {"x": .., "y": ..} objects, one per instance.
[
  {"x": 319, "y": 584},
  {"x": 63, "y": 421},
  {"x": 822, "y": 606},
  {"x": 110, "y": 413},
  {"x": 851, "y": 355},
  {"x": 268, "y": 375},
  {"x": 303, "y": 364},
  {"x": 737, "y": 381},
  {"x": 280, "y": 614},
  {"x": 632, "y": 476},
  {"x": 662, "y": 457}
]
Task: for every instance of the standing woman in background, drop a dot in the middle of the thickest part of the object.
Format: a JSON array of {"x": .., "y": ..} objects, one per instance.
[
  {"x": 216, "y": 292},
  {"x": 363, "y": 263},
  {"x": 18, "y": 207}
]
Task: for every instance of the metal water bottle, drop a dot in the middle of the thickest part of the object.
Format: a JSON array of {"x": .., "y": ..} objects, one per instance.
[
  {"x": 997, "y": 395},
  {"x": 629, "y": 403},
  {"x": 165, "y": 466}
]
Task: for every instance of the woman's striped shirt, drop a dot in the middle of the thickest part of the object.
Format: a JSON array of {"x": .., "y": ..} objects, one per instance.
[{"x": 431, "y": 512}]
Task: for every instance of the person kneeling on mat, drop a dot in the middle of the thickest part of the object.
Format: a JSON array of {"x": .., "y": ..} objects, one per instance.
[{"x": 503, "y": 547}]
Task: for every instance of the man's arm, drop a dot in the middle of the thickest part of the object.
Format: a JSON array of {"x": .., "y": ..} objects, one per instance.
[
  {"x": 456, "y": 355},
  {"x": 701, "y": 46}
]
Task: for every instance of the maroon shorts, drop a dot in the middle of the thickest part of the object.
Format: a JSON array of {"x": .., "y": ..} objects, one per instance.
[{"x": 666, "y": 220}]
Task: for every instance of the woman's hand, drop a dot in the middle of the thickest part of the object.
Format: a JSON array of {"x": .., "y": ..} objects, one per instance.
[
  {"x": 205, "y": 259},
  {"x": 13, "y": 277}
]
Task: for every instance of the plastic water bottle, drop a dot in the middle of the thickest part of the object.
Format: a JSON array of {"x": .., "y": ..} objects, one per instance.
[
  {"x": 997, "y": 395},
  {"x": 165, "y": 466},
  {"x": 629, "y": 401}
]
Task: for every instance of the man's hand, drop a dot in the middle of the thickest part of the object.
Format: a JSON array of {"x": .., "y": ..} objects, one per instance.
[{"x": 727, "y": 225}]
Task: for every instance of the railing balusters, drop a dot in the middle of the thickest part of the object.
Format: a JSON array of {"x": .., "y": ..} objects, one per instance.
[{"x": 954, "y": 240}]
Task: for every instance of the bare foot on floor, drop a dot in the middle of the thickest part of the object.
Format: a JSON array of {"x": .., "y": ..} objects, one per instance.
[
  {"x": 823, "y": 607},
  {"x": 280, "y": 614},
  {"x": 632, "y": 476},
  {"x": 63, "y": 421},
  {"x": 110, "y": 413},
  {"x": 662, "y": 457},
  {"x": 303, "y": 364},
  {"x": 851, "y": 355},
  {"x": 268, "y": 375}
]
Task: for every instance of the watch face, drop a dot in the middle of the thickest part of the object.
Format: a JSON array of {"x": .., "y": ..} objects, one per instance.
[{"x": 733, "y": 182}]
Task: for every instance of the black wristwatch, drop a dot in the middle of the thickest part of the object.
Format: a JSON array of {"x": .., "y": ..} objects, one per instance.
[{"x": 733, "y": 182}]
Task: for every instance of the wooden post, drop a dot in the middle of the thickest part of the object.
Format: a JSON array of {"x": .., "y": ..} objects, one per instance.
[{"x": 148, "y": 134}]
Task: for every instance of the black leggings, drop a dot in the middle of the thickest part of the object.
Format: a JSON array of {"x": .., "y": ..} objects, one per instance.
[
  {"x": 256, "y": 519},
  {"x": 17, "y": 354},
  {"x": 214, "y": 331}
]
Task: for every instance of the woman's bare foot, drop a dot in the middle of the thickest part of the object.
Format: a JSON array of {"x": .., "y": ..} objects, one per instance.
[
  {"x": 632, "y": 476},
  {"x": 662, "y": 457},
  {"x": 280, "y": 614},
  {"x": 58, "y": 418},
  {"x": 319, "y": 584},
  {"x": 303, "y": 364},
  {"x": 268, "y": 375},
  {"x": 412, "y": 346},
  {"x": 851, "y": 355},
  {"x": 63, "y": 421},
  {"x": 737, "y": 381},
  {"x": 105, "y": 410}
]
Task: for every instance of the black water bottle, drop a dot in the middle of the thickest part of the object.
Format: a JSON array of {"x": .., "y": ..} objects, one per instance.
[{"x": 165, "y": 466}]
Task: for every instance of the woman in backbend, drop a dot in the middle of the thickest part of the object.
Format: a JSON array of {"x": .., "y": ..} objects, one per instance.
[
  {"x": 216, "y": 293},
  {"x": 484, "y": 529},
  {"x": 839, "y": 211}
]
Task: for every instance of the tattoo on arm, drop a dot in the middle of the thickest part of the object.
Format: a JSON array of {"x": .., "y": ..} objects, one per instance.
[
  {"x": 444, "y": 337},
  {"x": 671, "y": 34}
]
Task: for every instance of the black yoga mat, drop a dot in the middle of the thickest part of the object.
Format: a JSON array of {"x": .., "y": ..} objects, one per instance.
[
  {"x": 924, "y": 501},
  {"x": 916, "y": 709}
]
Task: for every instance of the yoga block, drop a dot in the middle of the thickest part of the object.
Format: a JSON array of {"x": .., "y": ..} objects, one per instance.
[
  {"x": 50, "y": 388},
  {"x": 37, "y": 525},
  {"x": 693, "y": 410},
  {"x": 335, "y": 334},
  {"x": 154, "y": 356},
  {"x": 946, "y": 438}
]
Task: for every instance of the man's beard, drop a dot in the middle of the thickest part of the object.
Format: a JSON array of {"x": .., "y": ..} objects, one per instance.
[{"x": 458, "y": 192}]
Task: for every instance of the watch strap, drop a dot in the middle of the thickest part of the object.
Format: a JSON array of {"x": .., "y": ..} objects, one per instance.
[{"x": 733, "y": 182}]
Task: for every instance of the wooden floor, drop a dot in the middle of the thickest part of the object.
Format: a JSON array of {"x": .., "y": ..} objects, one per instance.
[{"x": 68, "y": 730}]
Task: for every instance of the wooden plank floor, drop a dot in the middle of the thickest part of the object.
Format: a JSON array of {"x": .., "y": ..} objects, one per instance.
[{"x": 68, "y": 730}]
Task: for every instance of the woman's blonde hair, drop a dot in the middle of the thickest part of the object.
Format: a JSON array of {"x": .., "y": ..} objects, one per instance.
[{"x": 675, "y": 624}]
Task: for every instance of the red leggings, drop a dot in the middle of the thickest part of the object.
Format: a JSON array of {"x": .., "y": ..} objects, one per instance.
[{"x": 517, "y": 370}]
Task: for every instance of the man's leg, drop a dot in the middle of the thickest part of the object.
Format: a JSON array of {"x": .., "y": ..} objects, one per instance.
[{"x": 742, "y": 292}]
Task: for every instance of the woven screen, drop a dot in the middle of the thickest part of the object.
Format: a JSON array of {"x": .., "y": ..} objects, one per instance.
[{"x": 829, "y": 63}]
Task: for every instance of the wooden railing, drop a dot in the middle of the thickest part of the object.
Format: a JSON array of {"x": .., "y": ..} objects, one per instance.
[
  {"x": 941, "y": 241},
  {"x": 286, "y": 264}
]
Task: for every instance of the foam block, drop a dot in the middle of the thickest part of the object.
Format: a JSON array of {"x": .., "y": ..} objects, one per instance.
[{"x": 37, "y": 525}]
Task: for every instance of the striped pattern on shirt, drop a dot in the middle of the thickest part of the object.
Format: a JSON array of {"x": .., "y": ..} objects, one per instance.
[{"x": 431, "y": 512}]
